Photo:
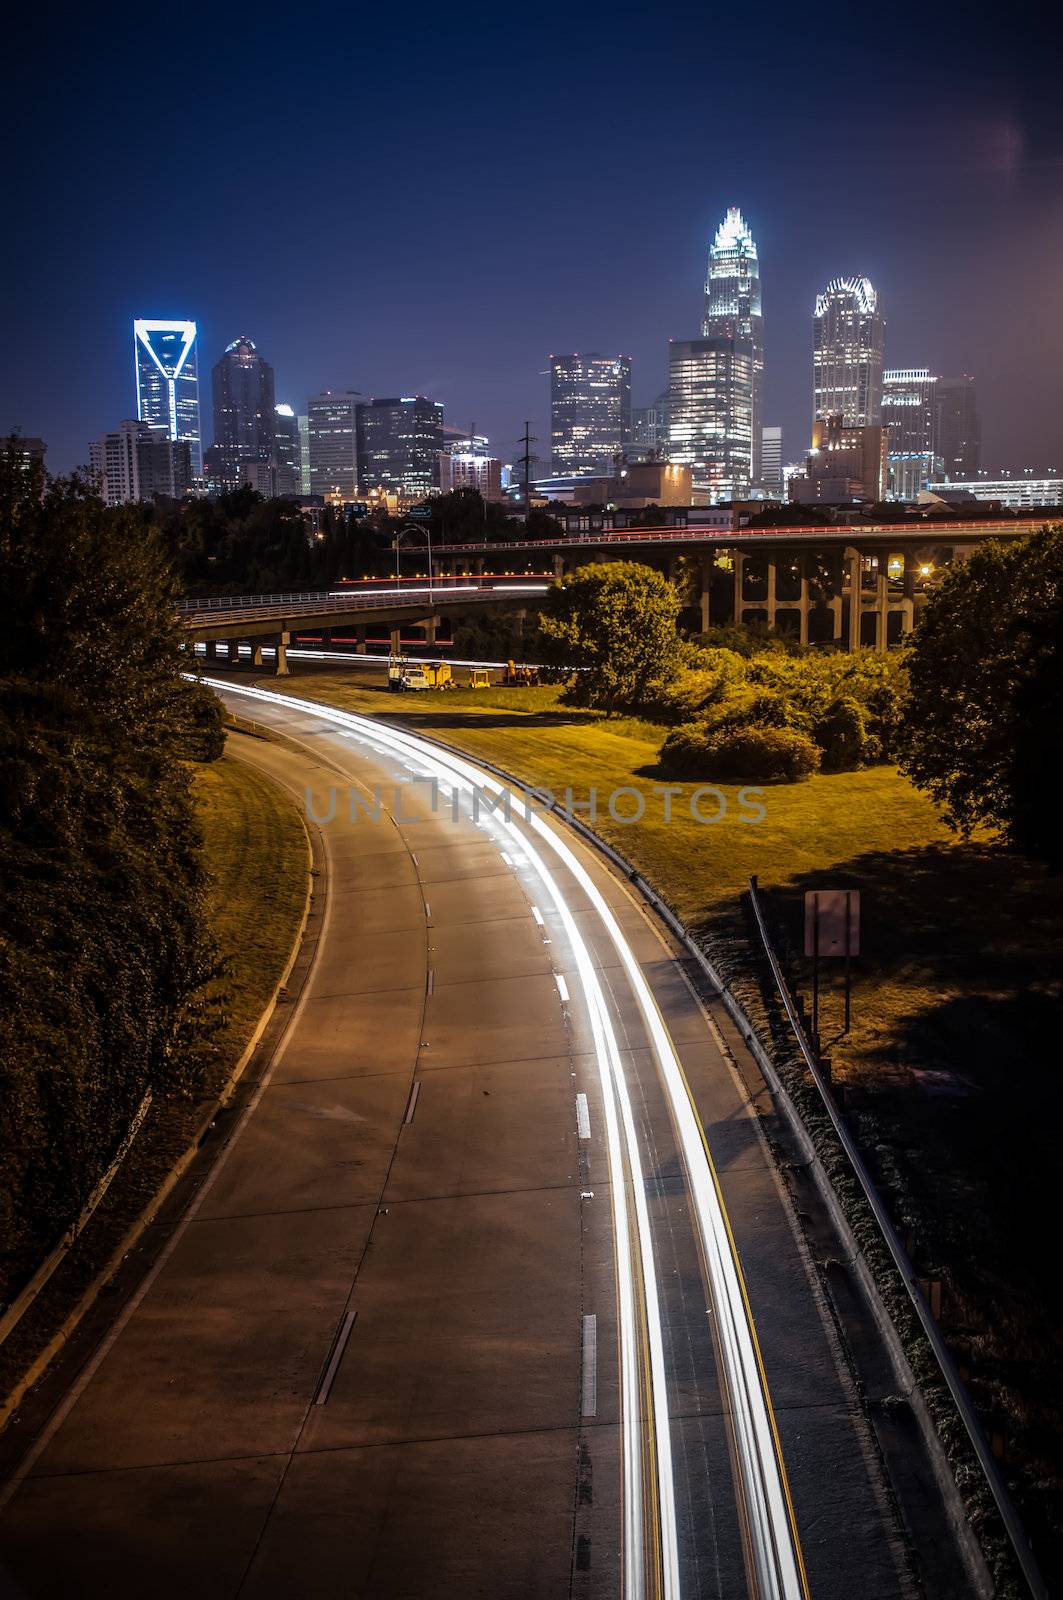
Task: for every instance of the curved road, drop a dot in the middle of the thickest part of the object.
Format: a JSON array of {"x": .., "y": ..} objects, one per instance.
[{"x": 496, "y": 1291}]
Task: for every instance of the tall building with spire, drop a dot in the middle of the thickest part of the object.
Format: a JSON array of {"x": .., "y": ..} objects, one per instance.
[
  {"x": 167, "y": 376},
  {"x": 733, "y": 311},
  {"x": 848, "y": 338},
  {"x": 243, "y": 408}
]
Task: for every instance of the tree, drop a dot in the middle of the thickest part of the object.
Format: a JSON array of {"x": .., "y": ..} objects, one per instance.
[
  {"x": 984, "y": 728},
  {"x": 617, "y": 623}
]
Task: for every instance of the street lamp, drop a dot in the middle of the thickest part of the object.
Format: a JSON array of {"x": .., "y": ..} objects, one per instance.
[{"x": 413, "y": 527}]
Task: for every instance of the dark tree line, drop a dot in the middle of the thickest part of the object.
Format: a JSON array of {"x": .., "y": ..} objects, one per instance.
[{"x": 104, "y": 954}]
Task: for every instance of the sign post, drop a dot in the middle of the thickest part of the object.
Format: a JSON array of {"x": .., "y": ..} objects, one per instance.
[{"x": 832, "y": 928}]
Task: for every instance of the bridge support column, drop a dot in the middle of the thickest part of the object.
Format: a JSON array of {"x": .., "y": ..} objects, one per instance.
[
  {"x": 739, "y": 561},
  {"x": 771, "y": 601},
  {"x": 430, "y": 626},
  {"x": 210, "y": 650},
  {"x": 855, "y": 596},
  {"x": 706, "y": 592},
  {"x": 882, "y": 603},
  {"x": 256, "y": 652},
  {"x": 559, "y": 566},
  {"x": 283, "y": 641},
  {"x": 359, "y": 639},
  {"x": 803, "y": 602},
  {"x": 234, "y": 652},
  {"x": 908, "y": 602},
  {"x": 396, "y": 641}
]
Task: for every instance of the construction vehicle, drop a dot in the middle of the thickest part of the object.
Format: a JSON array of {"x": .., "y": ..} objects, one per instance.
[
  {"x": 479, "y": 678},
  {"x": 515, "y": 677},
  {"x": 404, "y": 675},
  {"x": 439, "y": 675}
]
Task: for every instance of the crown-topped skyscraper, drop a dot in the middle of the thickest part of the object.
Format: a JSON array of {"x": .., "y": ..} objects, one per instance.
[{"x": 733, "y": 309}]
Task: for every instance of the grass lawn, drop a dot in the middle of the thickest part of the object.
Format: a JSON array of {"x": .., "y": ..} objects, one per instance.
[
  {"x": 949, "y": 1070},
  {"x": 255, "y": 849}
]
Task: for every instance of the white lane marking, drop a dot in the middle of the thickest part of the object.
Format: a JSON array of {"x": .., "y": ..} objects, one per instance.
[
  {"x": 562, "y": 986},
  {"x": 430, "y": 987},
  {"x": 506, "y": 858},
  {"x": 590, "y": 1365},
  {"x": 411, "y": 1104},
  {"x": 537, "y": 914},
  {"x": 583, "y": 1117},
  {"x": 335, "y": 1358},
  {"x": 427, "y": 912}
]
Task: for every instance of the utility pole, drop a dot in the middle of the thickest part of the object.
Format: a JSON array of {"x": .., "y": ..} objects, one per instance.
[{"x": 527, "y": 458}]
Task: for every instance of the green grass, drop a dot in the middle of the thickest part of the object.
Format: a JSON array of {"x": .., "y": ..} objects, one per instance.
[
  {"x": 255, "y": 850},
  {"x": 949, "y": 1071}
]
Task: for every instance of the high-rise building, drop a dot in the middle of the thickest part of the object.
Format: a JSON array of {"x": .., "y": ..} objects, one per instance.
[
  {"x": 590, "y": 411},
  {"x": 847, "y": 464},
  {"x": 909, "y": 414},
  {"x": 733, "y": 309},
  {"x": 771, "y": 469},
  {"x": 848, "y": 342},
  {"x": 959, "y": 428},
  {"x": 470, "y": 469},
  {"x": 243, "y": 407},
  {"x": 464, "y": 439},
  {"x": 28, "y": 452},
  {"x": 167, "y": 376},
  {"x": 650, "y": 439},
  {"x": 332, "y": 440},
  {"x": 304, "y": 453},
  {"x": 710, "y": 394},
  {"x": 287, "y": 451},
  {"x": 399, "y": 443},
  {"x": 137, "y": 462}
]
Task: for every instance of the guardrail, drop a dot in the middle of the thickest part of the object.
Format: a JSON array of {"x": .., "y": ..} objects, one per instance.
[
  {"x": 926, "y": 532},
  {"x": 906, "y": 1272}
]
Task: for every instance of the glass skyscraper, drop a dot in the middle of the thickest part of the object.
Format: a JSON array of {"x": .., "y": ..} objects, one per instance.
[
  {"x": 399, "y": 442},
  {"x": 590, "y": 411},
  {"x": 848, "y": 340},
  {"x": 959, "y": 428},
  {"x": 733, "y": 310},
  {"x": 909, "y": 414},
  {"x": 243, "y": 408},
  {"x": 167, "y": 377},
  {"x": 332, "y": 444},
  {"x": 710, "y": 392}
]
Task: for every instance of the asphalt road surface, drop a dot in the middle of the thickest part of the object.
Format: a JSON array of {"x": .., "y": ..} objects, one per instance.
[{"x": 497, "y": 1291}]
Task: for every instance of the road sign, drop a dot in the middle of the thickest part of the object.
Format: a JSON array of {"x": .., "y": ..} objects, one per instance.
[
  {"x": 420, "y": 513},
  {"x": 832, "y": 922}
]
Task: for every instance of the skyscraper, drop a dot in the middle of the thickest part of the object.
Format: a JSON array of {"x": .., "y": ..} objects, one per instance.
[
  {"x": 733, "y": 310},
  {"x": 304, "y": 452},
  {"x": 243, "y": 407},
  {"x": 959, "y": 428},
  {"x": 771, "y": 469},
  {"x": 909, "y": 414},
  {"x": 399, "y": 442},
  {"x": 649, "y": 430},
  {"x": 287, "y": 451},
  {"x": 848, "y": 340},
  {"x": 590, "y": 411},
  {"x": 138, "y": 462},
  {"x": 167, "y": 377},
  {"x": 710, "y": 393},
  {"x": 332, "y": 437}
]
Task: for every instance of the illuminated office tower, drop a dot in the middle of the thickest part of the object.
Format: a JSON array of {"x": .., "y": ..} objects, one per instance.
[
  {"x": 332, "y": 436},
  {"x": 959, "y": 438},
  {"x": 139, "y": 462},
  {"x": 771, "y": 467},
  {"x": 848, "y": 335},
  {"x": 167, "y": 376},
  {"x": 399, "y": 445},
  {"x": 649, "y": 431},
  {"x": 909, "y": 415},
  {"x": 243, "y": 408},
  {"x": 710, "y": 394},
  {"x": 287, "y": 451},
  {"x": 733, "y": 309},
  {"x": 590, "y": 411},
  {"x": 304, "y": 453}
]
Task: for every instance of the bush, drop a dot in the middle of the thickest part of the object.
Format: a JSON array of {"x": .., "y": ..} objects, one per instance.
[
  {"x": 754, "y": 754},
  {"x": 704, "y": 678},
  {"x": 841, "y": 735}
]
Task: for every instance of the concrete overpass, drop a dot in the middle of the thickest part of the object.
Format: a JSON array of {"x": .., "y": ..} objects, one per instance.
[
  {"x": 268, "y": 621},
  {"x": 860, "y": 584}
]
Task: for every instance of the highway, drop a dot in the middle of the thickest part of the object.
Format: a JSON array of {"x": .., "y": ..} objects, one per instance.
[{"x": 496, "y": 1290}]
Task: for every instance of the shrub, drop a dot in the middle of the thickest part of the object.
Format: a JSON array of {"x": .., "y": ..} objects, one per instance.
[
  {"x": 704, "y": 678},
  {"x": 841, "y": 735},
  {"x": 754, "y": 754}
]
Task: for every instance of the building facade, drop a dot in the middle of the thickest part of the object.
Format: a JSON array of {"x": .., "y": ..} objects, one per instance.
[
  {"x": 242, "y": 384},
  {"x": 909, "y": 414},
  {"x": 710, "y": 396},
  {"x": 137, "y": 462},
  {"x": 469, "y": 469},
  {"x": 399, "y": 444},
  {"x": 166, "y": 366},
  {"x": 848, "y": 339},
  {"x": 590, "y": 411},
  {"x": 846, "y": 465},
  {"x": 304, "y": 453},
  {"x": 332, "y": 440},
  {"x": 733, "y": 309},
  {"x": 287, "y": 451},
  {"x": 771, "y": 465},
  {"x": 1024, "y": 492},
  {"x": 959, "y": 428},
  {"x": 650, "y": 438}
]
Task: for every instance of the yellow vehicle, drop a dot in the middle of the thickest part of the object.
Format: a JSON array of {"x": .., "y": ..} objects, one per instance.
[
  {"x": 439, "y": 674},
  {"x": 515, "y": 677},
  {"x": 480, "y": 678}
]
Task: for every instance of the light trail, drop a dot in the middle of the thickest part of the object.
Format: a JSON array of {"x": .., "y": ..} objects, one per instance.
[{"x": 775, "y": 1548}]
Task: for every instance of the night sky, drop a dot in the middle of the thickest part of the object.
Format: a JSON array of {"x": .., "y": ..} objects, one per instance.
[{"x": 396, "y": 199}]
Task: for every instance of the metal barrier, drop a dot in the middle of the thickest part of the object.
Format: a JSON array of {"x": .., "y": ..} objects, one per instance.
[{"x": 906, "y": 1271}]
